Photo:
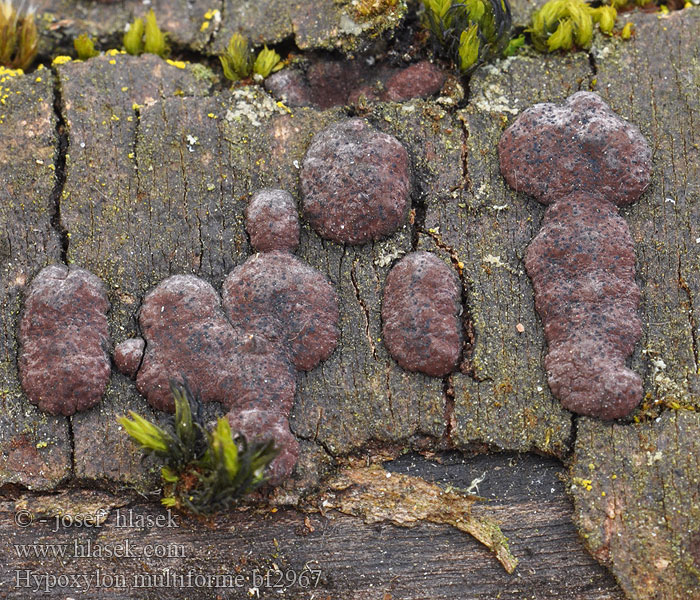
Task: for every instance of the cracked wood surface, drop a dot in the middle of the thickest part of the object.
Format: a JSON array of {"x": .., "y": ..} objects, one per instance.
[
  {"x": 191, "y": 25},
  {"x": 28, "y": 242},
  {"x": 158, "y": 169},
  {"x": 640, "y": 516}
]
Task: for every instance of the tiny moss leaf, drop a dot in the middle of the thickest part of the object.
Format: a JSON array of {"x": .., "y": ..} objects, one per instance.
[
  {"x": 18, "y": 37},
  {"x": 85, "y": 47},
  {"x": 154, "y": 38},
  {"x": 267, "y": 62},
  {"x": 236, "y": 60},
  {"x": 133, "y": 38}
]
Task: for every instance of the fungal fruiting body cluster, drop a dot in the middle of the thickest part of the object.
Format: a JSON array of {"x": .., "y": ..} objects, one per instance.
[
  {"x": 583, "y": 161},
  {"x": 278, "y": 316},
  {"x": 356, "y": 185}
]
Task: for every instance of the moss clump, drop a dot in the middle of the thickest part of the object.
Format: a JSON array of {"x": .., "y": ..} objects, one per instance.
[
  {"x": 237, "y": 60},
  {"x": 146, "y": 37},
  {"x": 469, "y": 31},
  {"x": 567, "y": 24},
  {"x": 18, "y": 37},
  {"x": 203, "y": 471}
]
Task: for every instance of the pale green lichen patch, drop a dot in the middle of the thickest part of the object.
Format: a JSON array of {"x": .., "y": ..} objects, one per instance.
[{"x": 253, "y": 105}]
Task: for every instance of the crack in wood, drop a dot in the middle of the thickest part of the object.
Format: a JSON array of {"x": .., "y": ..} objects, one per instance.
[{"x": 59, "y": 169}]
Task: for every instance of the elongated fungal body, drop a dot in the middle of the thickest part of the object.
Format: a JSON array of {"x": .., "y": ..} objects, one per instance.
[
  {"x": 583, "y": 161},
  {"x": 421, "y": 312}
]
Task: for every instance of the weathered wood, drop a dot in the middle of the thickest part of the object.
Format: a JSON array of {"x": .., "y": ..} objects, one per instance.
[
  {"x": 61, "y": 21},
  {"x": 111, "y": 224},
  {"x": 357, "y": 561},
  {"x": 637, "y": 494},
  {"x": 661, "y": 97},
  {"x": 483, "y": 225},
  {"x": 34, "y": 447},
  {"x": 158, "y": 171},
  {"x": 636, "y": 486},
  {"x": 194, "y": 25}
]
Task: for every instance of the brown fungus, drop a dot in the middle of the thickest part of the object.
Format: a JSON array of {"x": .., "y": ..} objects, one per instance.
[
  {"x": 128, "y": 356},
  {"x": 189, "y": 336},
  {"x": 272, "y": 221},
  {"x": 356, "y": 183},
  {"x": 421, "y": 314},
  {"x": 290, "y": 303},
  {"x": 582, "y": 160},
  {"x": 280, "y": 315},
  {"x": 63, "y": 362}
]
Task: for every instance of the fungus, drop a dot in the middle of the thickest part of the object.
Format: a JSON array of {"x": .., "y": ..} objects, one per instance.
[
  {"x": 287, "y": 302},
  {"x": 188, "y": 334},
  {"x": 272, "y": 222},
  {"x": 583, "y": 161},
  {"x": 128, "y": 356},
  {"x": 280, "y": 316},
  {"x": 421, "y": 314},
  {"x": 356, "y": 183},
  {"x": 63, "y": 335}
]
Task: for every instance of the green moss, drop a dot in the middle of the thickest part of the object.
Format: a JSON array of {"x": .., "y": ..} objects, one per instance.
[
  {"x": 237, "y": 60},
  {"x": 85, "y": 47},
  {"x": 18, "y": 37},
  {"x": 567, "y": 24},
  {"x": 146, "y": 37},
  {"x": 203, "y": 471},
  {"x": 133, "y": 38},
  {"x": 468, "y": 31},
  {"x": 268, "y": 61}
]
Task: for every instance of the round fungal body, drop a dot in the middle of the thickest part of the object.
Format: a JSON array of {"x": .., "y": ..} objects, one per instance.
[
  {"x": 63, "y": 334},
  {"x": 356, "y": 183},
  {"x": 421, "y": 309}
]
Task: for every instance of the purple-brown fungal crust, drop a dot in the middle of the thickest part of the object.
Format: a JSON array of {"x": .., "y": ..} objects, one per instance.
[
  {"x": 128, "y": 356},
  {"x": 582, "y": 160},
  {"x": 421, "y": 314},
  {"x": 281, "y": 315},
  {"x": 189, "y": 337},
  {"x": 262, "y": 425},
  {"x": 63, "y": 363},
  {"x": 419, "y": 80},
  {"x": 272, "y": 221},
  {"x": 551, "y": 151},
  {"x": 356, "y": 183},
  {"x": 288, "y": 302},
  {"x": 582, "y": 267}
]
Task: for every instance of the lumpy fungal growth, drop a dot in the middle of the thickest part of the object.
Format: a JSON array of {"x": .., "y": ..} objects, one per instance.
[
  {"x": 583, "y": 161},
  {"x": 272, "y": 221},
  {"x": 356, "y": 183},
  {"x": 421, "y": 314},
  {"x": 188, "y": 334},
  {"x": 278, "y": 316},
  {"x": 288, "y": 302},
  {"x": 63, "y": 362},
  {"x": 551, "y": 151}
]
